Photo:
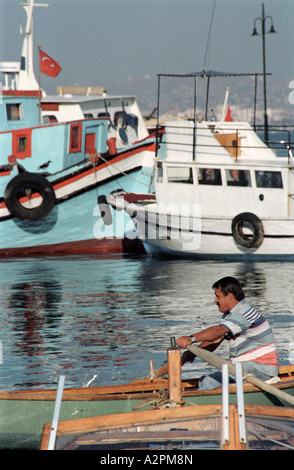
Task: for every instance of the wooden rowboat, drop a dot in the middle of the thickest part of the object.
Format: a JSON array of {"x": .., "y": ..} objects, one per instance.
[
  {"x": 23, "y": 413},
  {"x": 185, "y": 429},
  {"x": 180, "y": 428}
]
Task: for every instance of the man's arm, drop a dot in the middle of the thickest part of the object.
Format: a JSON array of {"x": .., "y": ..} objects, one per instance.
[
  {"x": 210, "y": 345},
  {"x": 209, "y": 337}
]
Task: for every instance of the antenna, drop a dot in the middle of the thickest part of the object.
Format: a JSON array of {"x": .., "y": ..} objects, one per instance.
[{"x": 208, "y": 37}]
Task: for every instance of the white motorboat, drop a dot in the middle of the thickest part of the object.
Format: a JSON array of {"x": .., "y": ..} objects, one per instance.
[{"x": 220, "y": 191}]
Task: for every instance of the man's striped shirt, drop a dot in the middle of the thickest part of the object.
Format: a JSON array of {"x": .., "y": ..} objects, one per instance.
[{"x": 251, "y": 338}]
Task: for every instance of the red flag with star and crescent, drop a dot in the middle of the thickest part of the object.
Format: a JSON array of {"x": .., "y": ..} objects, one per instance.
[{"x": 48, "y": 65}]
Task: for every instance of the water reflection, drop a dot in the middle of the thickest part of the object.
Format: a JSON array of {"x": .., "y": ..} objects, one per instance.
[
  {"x": 34, "y": 306},
  {"x": 107, "y": 317}
]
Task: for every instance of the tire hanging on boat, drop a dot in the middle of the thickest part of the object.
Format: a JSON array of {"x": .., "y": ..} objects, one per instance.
[
  {"x": 255, "y": 226},
  {"x": 104, "y": 210},
  {"x": 25, "y": 187}
]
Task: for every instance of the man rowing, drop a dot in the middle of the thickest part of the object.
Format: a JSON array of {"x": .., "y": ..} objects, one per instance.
[{"x": 251, "y": 339}]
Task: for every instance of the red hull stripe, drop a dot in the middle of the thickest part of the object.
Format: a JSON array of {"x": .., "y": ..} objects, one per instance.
[
  {"x": 149, "y": 147},
  {"x": 93, "y": 246}
]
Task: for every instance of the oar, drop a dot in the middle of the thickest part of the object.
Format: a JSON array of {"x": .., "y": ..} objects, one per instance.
[
  {"x": 217, "y": 361},
  {"x": 164, "y": 368}
]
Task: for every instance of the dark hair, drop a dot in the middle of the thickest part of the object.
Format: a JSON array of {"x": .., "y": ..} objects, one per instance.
[{"x": 230, "y": 284}]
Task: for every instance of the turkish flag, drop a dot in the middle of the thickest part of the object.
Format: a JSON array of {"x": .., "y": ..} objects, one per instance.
[{"x": 48, "y": 65}]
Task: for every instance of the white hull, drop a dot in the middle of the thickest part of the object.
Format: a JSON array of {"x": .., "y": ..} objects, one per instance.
[{"x": 207, "y": 237}]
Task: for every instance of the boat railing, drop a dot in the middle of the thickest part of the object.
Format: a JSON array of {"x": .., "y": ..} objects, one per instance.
[
  {"x": 240, "y": 405},
  {"x": 279, "y": 139},
  {"x": 235, "y": 139},
  {"x": 56, "y": 412}
]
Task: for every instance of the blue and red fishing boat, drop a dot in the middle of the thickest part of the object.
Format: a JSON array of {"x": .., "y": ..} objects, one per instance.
[{"x": 60, "y": 158}]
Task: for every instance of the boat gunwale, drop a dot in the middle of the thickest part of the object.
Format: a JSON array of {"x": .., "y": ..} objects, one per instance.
[{"x": 141, "y": 388}]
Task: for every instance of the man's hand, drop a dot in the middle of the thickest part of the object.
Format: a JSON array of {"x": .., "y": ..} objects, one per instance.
[
  {"x": 213, "y": 335},
  {"x": 183, "y": 341},
  {"x": 187, "y": 356}
]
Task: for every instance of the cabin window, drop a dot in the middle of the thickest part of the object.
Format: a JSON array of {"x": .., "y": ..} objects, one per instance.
[
  {"x": 49, "y": 119},
  {"x": 210, "y": 176},
  {"x": 120, "y": 119},
  {"x": 14, "y": 111},
  {"x": 268, "y": 179},
  {"x": 103, "y": 115},
  {"x": 179, "y": 175},
  {"x": 75, "y": 143},
  {"x": 21, "y": 143},
  {"x": 238, "y": 177}
]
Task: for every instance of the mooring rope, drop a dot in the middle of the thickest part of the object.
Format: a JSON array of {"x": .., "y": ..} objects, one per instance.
[{"x": 98, "y": 155}]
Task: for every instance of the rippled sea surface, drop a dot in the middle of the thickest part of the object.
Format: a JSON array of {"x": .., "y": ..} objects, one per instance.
[{"x": 100, "y": 320}]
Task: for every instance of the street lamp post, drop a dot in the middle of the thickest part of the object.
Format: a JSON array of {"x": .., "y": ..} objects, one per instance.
[{"x": 263, "y": 19}]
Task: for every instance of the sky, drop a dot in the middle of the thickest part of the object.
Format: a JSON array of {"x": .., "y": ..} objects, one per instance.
[{"x": 99, "y": 41}]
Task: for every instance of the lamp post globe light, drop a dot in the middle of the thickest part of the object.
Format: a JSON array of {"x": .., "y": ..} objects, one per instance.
[{"x": 263, "y": 20}]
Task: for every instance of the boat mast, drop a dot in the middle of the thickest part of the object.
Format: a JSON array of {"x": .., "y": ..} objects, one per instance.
[{"x": 26, "y": 79}]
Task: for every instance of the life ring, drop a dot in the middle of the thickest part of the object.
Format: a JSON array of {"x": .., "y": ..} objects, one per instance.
[
  {"x": 255, "y": 226},
  {"x": 105, "y": 210},
  {"x": 26, "y": 186}
]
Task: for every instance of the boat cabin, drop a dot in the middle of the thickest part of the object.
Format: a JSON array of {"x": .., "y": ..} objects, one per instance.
[
  {"x": 27, "y": 145},
  {"x": 225, "y": 167},
  {"x": 126, "y": 123},
  {"x": 18, "y": 109}
]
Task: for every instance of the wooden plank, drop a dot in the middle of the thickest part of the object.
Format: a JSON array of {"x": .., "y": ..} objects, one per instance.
[
  {"x": 174, "y": 375},
  {"x": 268, "y": 410},
  {"x": 92, "y": 394},
  {"x": 132, "y": 418},
  {"x": 165, "y": 416},
  {"x": 137, "y": 386}
]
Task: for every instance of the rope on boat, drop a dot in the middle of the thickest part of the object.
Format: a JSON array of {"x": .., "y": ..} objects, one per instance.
[
  {"x": 161, "y": 400},
  {"x": 98, "y": 155}
]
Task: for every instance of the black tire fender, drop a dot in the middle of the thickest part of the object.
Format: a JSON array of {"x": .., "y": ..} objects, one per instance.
[
  {"x": 104, "y": 210},
  {"x": 254, "y": 224},
  {"x": 24, "y": 184}
]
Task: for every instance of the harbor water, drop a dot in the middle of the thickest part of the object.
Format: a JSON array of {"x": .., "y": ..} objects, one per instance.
[{"x": 99, "y": 320}]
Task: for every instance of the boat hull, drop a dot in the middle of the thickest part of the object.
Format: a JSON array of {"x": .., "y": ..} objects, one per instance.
[
  {"x": 78, "y": 222},
  {"x": 204, "y": 237},
  {"x": 24, "y": 413},
  {"x": 200, "y": 427}
]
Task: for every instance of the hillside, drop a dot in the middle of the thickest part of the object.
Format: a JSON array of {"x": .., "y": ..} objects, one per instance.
[{"x": 177, "y": 97}]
